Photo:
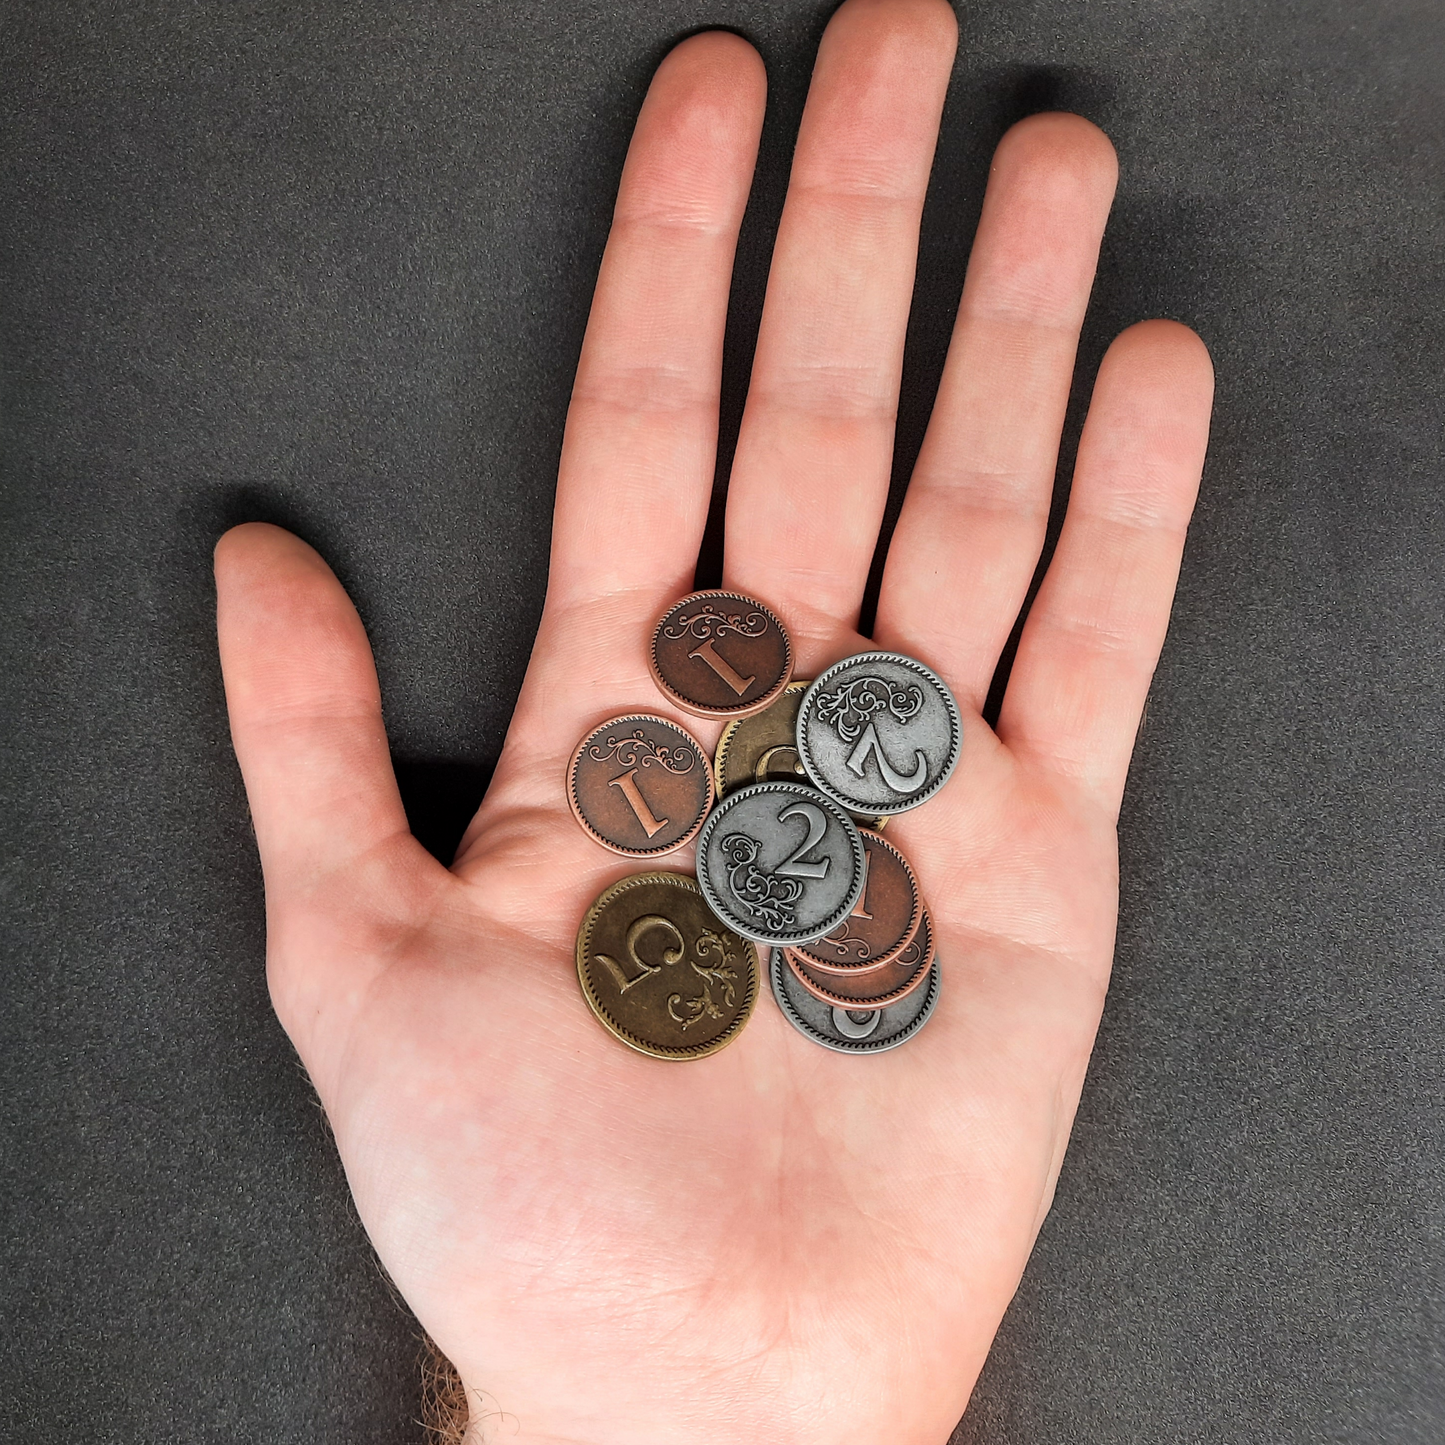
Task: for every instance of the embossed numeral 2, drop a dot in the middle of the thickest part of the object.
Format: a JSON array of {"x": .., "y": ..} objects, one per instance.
[
  {"x": 647, "y": 922},
  {"x": 791, "y": 866},
  {"x": 869, "y": 743},
  {"x": 720, "y": 665},
  {"x": 626, "y": 784}
]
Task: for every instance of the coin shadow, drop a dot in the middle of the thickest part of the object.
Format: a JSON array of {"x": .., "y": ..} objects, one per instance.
[{"x": 440, "y": 797}]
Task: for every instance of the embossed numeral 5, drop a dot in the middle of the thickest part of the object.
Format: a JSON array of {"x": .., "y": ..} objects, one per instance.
[
  {"x": 642, "y": 925},
  {"x": 792, "y": 866}
]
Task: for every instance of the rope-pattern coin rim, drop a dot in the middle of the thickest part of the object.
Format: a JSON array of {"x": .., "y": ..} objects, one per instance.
[
  {"x": 780, "y": 996},
  {"x": 731, "y": 801},
  {"x": 575, "y": 803},
  {"x": 702, "y": 709},
  {"x": 878, "y": 654}
]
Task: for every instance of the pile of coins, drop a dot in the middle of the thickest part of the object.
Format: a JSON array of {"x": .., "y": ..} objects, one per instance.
[{"x": 668, "y": 962}]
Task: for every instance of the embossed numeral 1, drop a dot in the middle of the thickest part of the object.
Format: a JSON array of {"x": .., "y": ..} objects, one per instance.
[
  {"x": 646, "y": 923},
  {"x": 627, "y": 786},
  {"x": 860, "y": 909},
  {"x": 791, "y": 866},
  {"x": 709, "y": 654},
  {"x": 869, "y": 743}
]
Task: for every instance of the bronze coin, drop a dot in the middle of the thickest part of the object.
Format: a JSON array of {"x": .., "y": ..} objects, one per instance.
[
  {"x": 762, "y": 747},
  {"x": 720, "y": 654},
  {"x": 878, "y": 987},
  {"x": 661, "y": 972},
  {"x": 640, "y": 785},
  {"x": 881, "y": 924}
]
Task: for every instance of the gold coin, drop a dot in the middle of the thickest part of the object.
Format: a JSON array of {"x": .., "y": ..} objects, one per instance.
[
  {"x": 661, "y": 971},
  {"x": 763, "y": 748}
]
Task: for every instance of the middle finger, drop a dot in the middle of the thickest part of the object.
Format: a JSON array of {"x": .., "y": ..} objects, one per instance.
[{"x": 810, "y": 476}]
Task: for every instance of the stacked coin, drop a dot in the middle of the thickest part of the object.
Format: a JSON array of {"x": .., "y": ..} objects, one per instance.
[{"x": 669, "y": 964}]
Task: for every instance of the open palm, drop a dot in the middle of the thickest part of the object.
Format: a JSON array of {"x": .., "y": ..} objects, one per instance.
[{"x": 775, "y": 1242}]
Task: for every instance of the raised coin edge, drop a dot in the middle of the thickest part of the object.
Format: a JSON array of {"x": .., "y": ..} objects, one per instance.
[
  {"x": 720, "y": 753},
  {"x": 638, "y": 1045},
  {"x": 797, "y": 964},
  {"x": 898, "y": 657},
  {"x": 617, "y": 847}
]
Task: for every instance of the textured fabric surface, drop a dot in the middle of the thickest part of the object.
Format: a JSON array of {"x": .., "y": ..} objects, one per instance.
[{"x": 329, "y": 265}]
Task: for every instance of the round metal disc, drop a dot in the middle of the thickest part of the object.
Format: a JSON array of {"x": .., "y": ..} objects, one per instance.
[
  {"x": 879, "y": 733},
  {"x": 660, "y": 972},
  {"x": 861, "y": 1031},
  {"x": 762, "y": 747},
  {"x": 780, "y": 863},
  {"x": 640, "y": 785},
  {"x": 720, "y": 654}
]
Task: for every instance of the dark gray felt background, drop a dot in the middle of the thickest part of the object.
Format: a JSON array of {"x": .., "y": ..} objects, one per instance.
[{"x": 329, "y": 265}]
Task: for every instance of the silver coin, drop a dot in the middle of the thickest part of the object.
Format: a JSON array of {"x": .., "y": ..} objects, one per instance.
[
  {"x": 864, "y": 1031},
  {"x": 780, "y": 863},
  {"x": 879, "y": 733}
]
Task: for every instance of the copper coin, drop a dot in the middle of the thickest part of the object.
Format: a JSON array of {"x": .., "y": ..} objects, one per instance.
[
  {"x": 882, "y": 922},
  {"x": 879, "y": 987},
  {"x": 640, "y": 785},
  {"x": 661, "y": 972},
  {"x": 720, "y": 654}
]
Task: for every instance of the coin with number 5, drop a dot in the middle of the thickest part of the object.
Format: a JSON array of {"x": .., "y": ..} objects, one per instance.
[{"x": 660, "y": 972}]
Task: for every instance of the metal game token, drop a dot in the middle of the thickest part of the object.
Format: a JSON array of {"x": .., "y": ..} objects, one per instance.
[
  {"x": 879, "y": 733},
  {"x": 780, "y": 863},
  {"x": 851, "y": 1031},
  {"x": 883, "y": 921},
  {"x": 640, "y": 785},
  {"x": 762, "y": 747},
  {"x": 878, "y": 987},
  {"x": 660, "y": 972},
  {"x": 720, "y": 654}
]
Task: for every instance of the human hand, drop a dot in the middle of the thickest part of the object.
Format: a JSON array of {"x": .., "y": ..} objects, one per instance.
[{"x": 776, "y": 1241}]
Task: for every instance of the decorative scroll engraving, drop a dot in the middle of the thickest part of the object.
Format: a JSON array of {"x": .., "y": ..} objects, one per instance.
[
  {"x": 707, "y": 624},
  {"x": 637, "y": 750},
  {"x": 764, "y": 895},
  {"x": 712, "y": 961},
  {"x": 723, "y": 973},
  {"x": 852, "y": 706},
  {"x": 845, "y": 944}
]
